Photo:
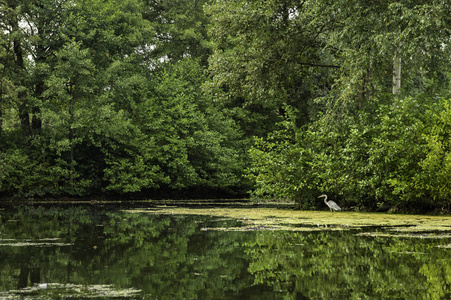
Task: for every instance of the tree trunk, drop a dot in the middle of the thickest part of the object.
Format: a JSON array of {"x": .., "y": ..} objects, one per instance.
[
  {"x": 24, "y": 120},
  {"x": 36, "y": 122},
  {"x": 71, "y": 167},
  {"x": 71, "y": 142},
  {"x": 1, "y": 118},
  {"x": 1, "y": 111},
  {"x": 396, "y": 72},
  {"x": 22, "y": 95}
]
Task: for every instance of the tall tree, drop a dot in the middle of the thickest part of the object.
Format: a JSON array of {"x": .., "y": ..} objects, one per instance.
[
  {"x": 70, "y": 84},
  {"x": 66, "y": 49},
  {"x": 375, "y": 40},
  {"x": 31, "y": 30},
  {"x": 272, "y": 52},
  {"x": 11, "y": 16},
  {"x": 98, "y": 36},
  {"x": 268, "y": 54}
]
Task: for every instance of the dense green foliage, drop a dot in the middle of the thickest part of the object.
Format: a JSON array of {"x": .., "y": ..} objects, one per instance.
[
  {"x": 396, "y": 153},
  {"x": 99, "y": 111},
  {"x": 136, "y": 96}
]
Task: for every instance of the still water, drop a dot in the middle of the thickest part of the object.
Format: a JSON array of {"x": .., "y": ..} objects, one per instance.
[{"x": 104, "y": 253}]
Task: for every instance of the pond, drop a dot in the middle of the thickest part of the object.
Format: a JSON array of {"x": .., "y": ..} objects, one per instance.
[{"x": 101, "y": 252}]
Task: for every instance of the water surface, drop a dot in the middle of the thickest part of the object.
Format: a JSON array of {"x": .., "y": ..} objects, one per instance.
[{"x": 105, "y": 253}]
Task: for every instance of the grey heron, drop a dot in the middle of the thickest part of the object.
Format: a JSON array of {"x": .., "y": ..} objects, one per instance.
[{"x": 332, "y": 205}]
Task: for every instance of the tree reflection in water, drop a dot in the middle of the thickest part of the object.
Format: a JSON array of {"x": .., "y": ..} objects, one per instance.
[{"x": 172, "y": 257}]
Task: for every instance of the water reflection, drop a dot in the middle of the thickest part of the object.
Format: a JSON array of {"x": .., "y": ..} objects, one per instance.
[{"x": 108, "y": 253}]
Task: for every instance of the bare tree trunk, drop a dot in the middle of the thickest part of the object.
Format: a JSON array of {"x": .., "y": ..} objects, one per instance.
[{"x": 396, "y": 72}]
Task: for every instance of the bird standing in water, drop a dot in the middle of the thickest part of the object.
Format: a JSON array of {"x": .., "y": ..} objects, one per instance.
[{"x": 331, "y": 204}]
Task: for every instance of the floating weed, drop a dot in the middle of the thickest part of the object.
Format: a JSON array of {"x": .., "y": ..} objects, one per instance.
[
  {"x": 46, "y": 242},
  {"x": 55, "y": 290},
  {"x": 288, "y": 219},
  {"x": 30, "y": 244},
  {"x": 404, "y": 235}
]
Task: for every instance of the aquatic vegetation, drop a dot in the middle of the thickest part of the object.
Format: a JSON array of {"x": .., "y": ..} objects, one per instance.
[
  {"x": 46, "y": 242},
  {"x": 52, "y": 290},
  {"x": 288, "y": 219}
]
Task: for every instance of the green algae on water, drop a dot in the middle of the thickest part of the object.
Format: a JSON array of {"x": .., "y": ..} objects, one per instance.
[{"x": 288, "y": 219}]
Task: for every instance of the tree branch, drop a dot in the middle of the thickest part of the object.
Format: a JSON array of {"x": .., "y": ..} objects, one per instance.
[{"x": 319, "y": 65}]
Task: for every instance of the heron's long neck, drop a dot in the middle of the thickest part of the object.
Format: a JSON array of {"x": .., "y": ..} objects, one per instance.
[{"x": 325, "y": 199}]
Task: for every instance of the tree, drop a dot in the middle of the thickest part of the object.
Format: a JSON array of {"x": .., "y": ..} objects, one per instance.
[
  {"x": 345, "y": 150},
  {"x": 66, "y": 50},
  {"x": 372, "y": 45},
  {"x": 267, "y": 54},
  {"x": 11, "y": 17},
  {"x": 31, "y": 32},
  {"x": 197, "y": 143},
  {"x": 69, "y": 86}
]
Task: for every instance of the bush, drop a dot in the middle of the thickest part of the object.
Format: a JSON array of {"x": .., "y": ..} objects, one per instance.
[{"x": 400, "y": 155}]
